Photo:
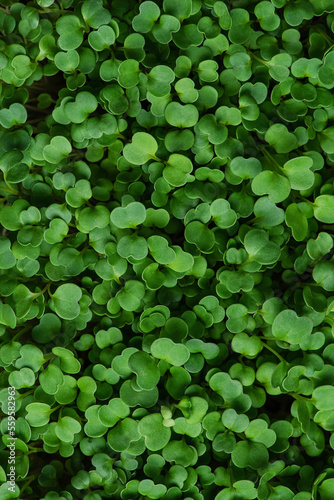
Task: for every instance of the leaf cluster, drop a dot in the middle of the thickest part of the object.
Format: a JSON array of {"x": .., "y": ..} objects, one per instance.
[{"x": 166, "y": 249}]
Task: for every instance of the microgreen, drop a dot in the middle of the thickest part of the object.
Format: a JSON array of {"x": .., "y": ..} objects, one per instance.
[{"x": 166, "y": 249}]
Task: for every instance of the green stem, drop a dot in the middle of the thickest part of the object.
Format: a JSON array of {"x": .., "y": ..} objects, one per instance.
[
  {"x": 25, "y": 394},
  {"x": 271, "y": 159},
  {"x": 35, "y": 120},
  {"x": 256, "y": 219},
  {"x": 266, "y": 63},
  {"x": 34, "y": 450},
  {"x": 50, "y": 11},
  {"x": 324, "y": 35},
  {"x": 55, "y": 409},
  {"x": 273, "y": 351},
  {"x": 327, "y": 51},
  {"x": 307, "y": 201},
  {"x": 21, "y": 332},
  {"x": 300, "y": 397},
  {"x": 46, "y": 288},
  {"x": 7, "y": 190},
  {"x": 49, "y": 356},
  {"x": 268, "y": 338},
  {"x": 157, "y": 159},
  {"x": 231, "y": 476},
  {"x": 240, "y": 359},
  {"x": 11, "y": 190},
  {"x": 27, "y": 483},
  {"x": 33, "y": 108},
  {"x": 248, "y": 261}
]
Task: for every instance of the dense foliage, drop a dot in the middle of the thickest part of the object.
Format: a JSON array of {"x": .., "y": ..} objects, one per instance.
[{"x": 166, "y": 256}]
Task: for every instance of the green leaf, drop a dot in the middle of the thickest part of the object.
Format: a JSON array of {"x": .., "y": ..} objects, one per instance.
[
  {"x": 323, "y": 397},
  {"x": 281, "y": 139},
  {"x": 130, "y": 296},
  {"x": 222, "y": 214},
  {"x": 70, "y": 32},
  {"x": 245, "y": 345},
  {"x": 155, "y": 433},
  {"x": 66, "y": 427},
  {"x": 324, "y": 208},
  {"x": 130, "y": 216},
  {"x": 7, "y": 316},
  {"x": 160, "y": 79},
  {"x": 291, "y": 328},
  {"x": 66, "y": 299},
  {"x": 258, "y": 432},
  {"x": 94, "y": 14},
  {"x": 298, "y": 172},
  {"x": 259, "y": 247},
  {"x": 142, "y": 148},
  {"x": 273, "y": 184},
  {"x": 226, "y": 387},
  {"x": 322, "y": 6},
  {"x": 51, "y": 379},
  {"x": 67, "y": 362},
  {"x": 7, "y": 259},
  {"x": 325, "y": 489},
  {"x": 177, "y": 170},
  {"x": 58, "y": 149},
  {"x": 200, "y": 235},
  {"x": 101, "y": 39},
  {"x": 146, "y": 370},
  {"x": 38, "y": 414},
  {"x": 167, "y": 350},
  {"x": 181, "y": 116},
  {"x": 248, "y": 454},
  {"x": 149, "y": 12},
  {"x": 296, "y": 219}
]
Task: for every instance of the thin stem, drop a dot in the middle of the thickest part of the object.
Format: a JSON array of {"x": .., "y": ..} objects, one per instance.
[
  {"x": 25, "y": 394},
  {"x": 248, "y": 261},
  {"x": 327, "y": 51},
  {"x": 28, "y": 481},
  {"x": 34, "y": 108},
  {"x": 266, "y": 63},
  {"x": 271, "y": 159},
  {"x": 7, "y": 190},
  {"x": 256, "y": 219},
  {"x": 11, "y": 190},
  {"x": 49, "y": 356},
  {"x": 307, "y": 201},
  {"x": 34, "y": 450},
  {"x": 300, "y": 397},
  {"x": 231, "y": 476},
  {"x": 35, "y": 120},
  {"x": 46, "y": 288},
  {"x": 268, "y": 338},
  {"x": 324, "y": 35},
  {"x": 273, "y": 351},
  {"x": 21, "y": 332},
  {"x": 50, "y": 11},
  {"x": 157, "y": 159},
  {"x": 55, "y": 409}
]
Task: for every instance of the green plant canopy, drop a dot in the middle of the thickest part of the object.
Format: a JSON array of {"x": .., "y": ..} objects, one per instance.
[{"x": 166, "y": 249}]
